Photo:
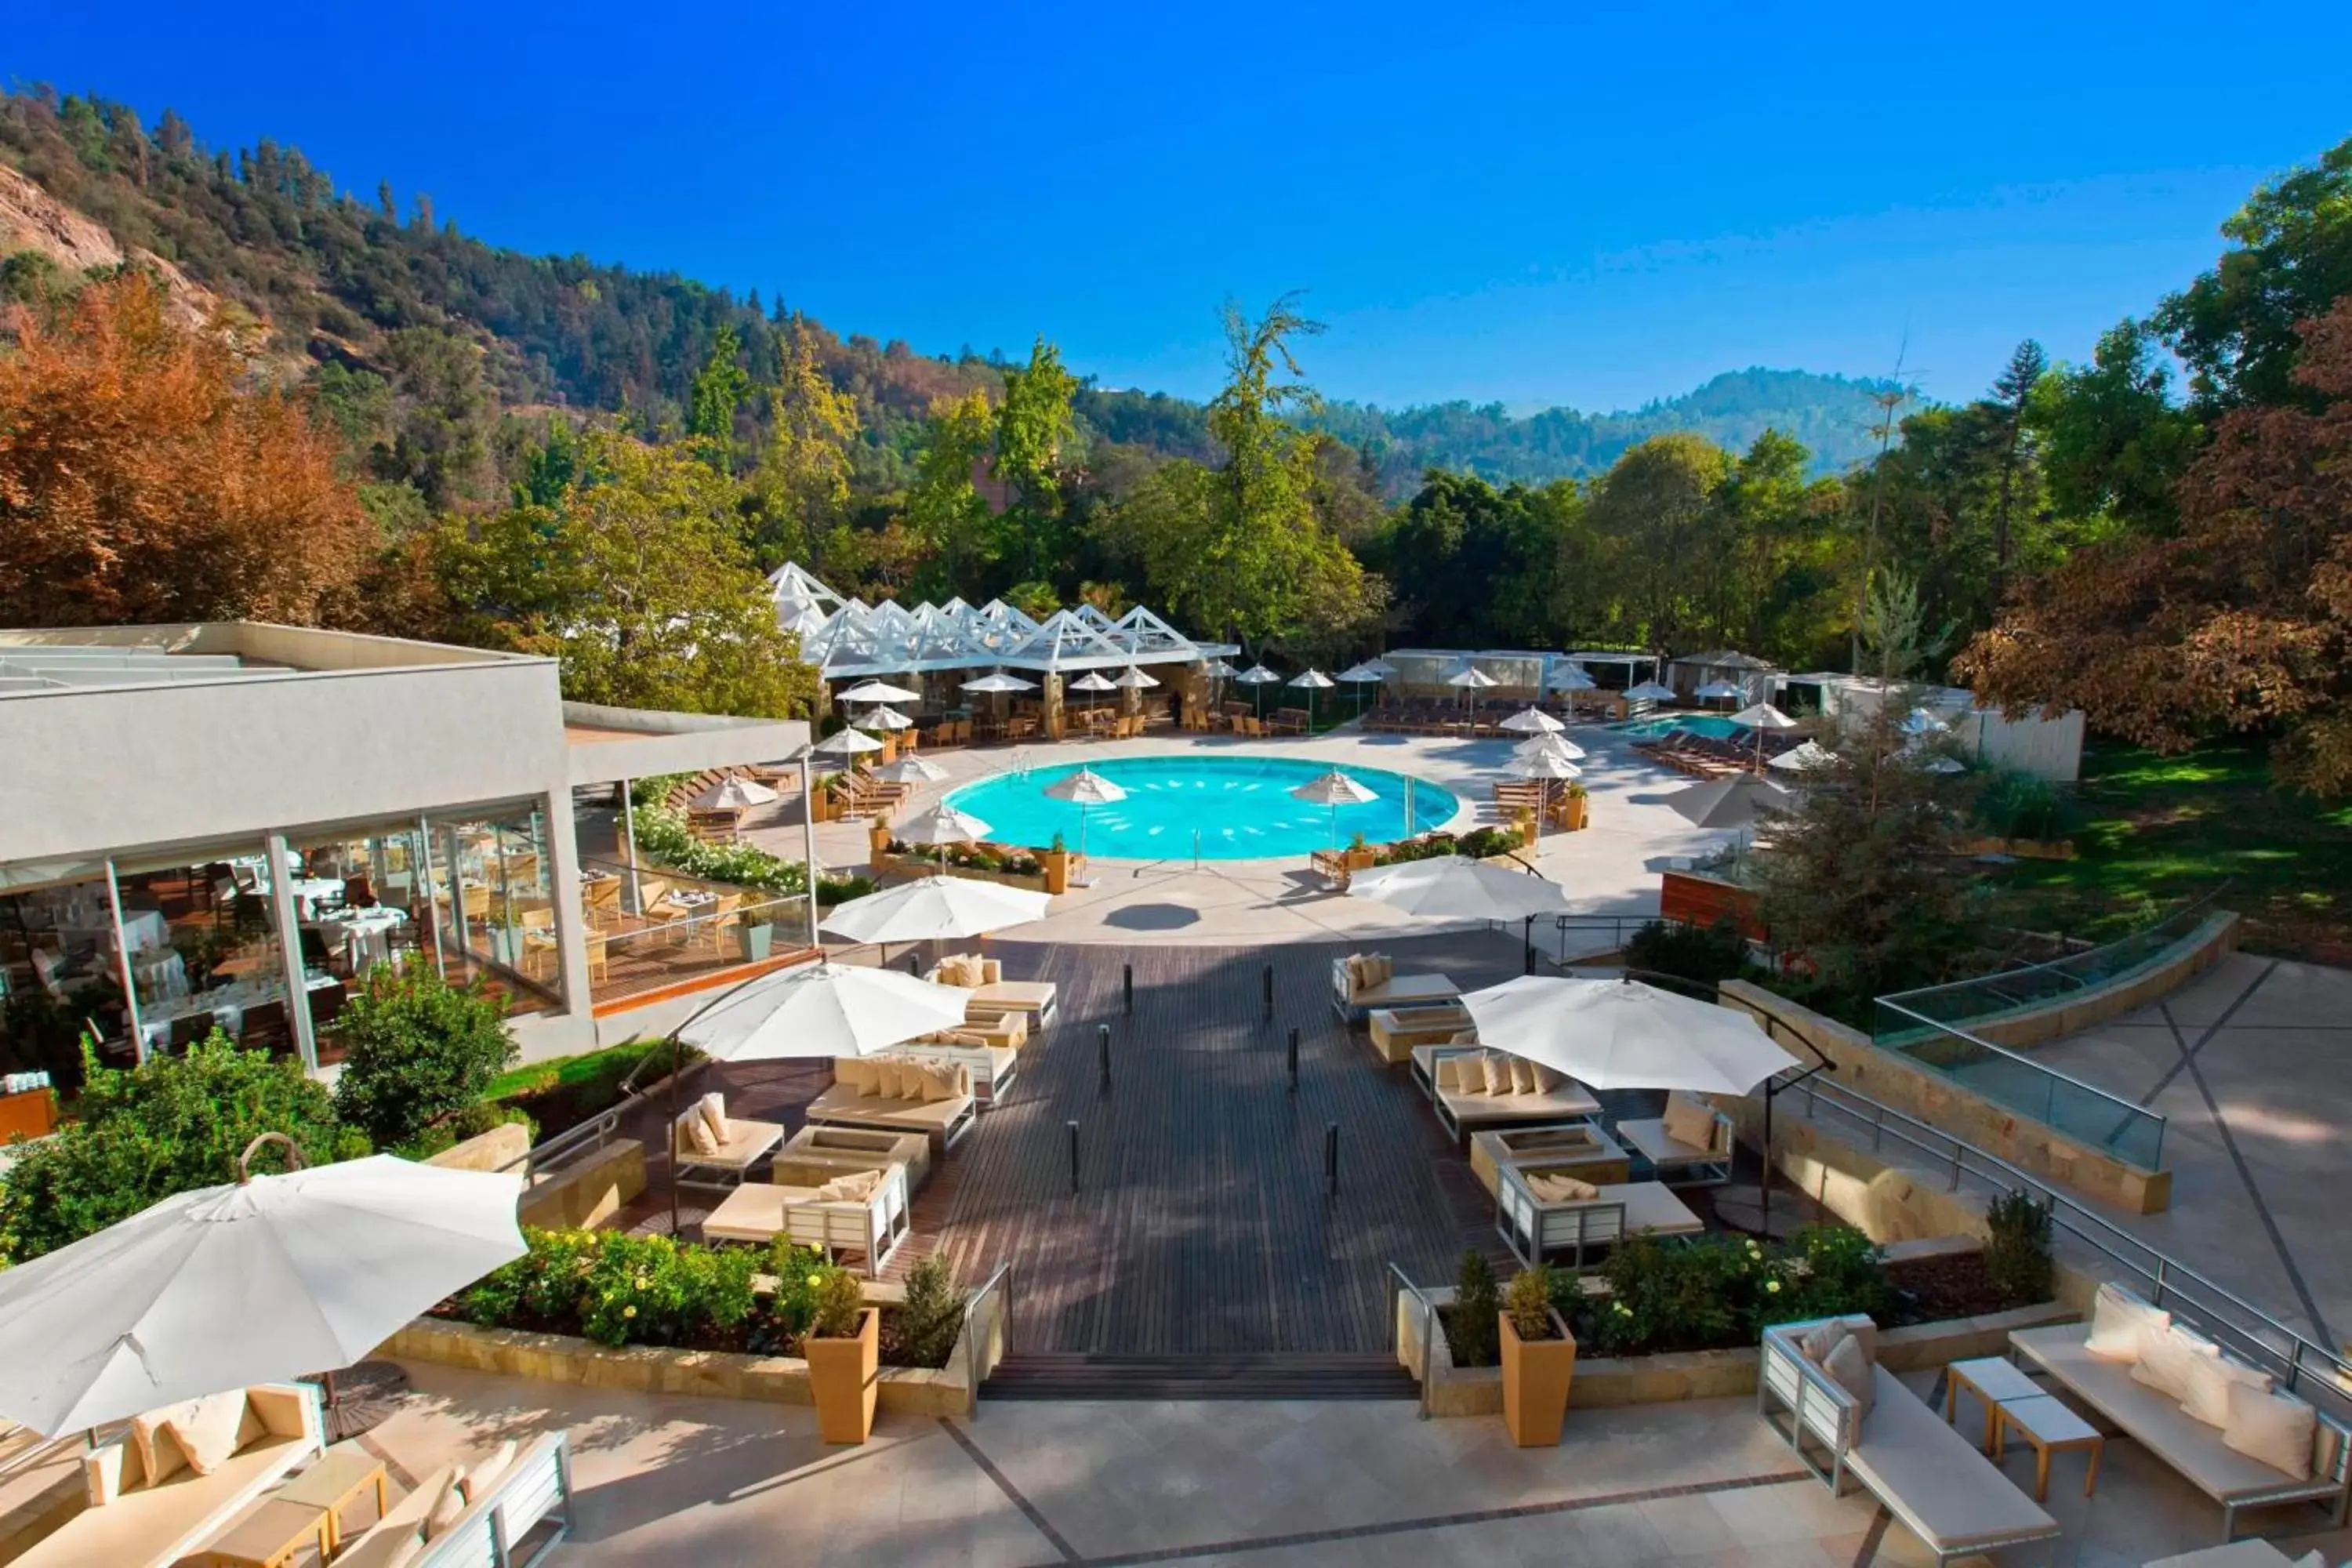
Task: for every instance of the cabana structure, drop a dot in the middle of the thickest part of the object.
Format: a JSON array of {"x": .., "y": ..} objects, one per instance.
[
  {"x": 1723, "y": 666},
  {"x": 936, "y": 648}
]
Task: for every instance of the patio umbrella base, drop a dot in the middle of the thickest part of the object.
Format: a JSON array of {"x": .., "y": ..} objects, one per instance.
[{"x": 361, "y": 1397}]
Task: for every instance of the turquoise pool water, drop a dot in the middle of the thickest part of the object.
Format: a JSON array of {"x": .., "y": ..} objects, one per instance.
[
  {"x": 1240, "y": 806},
  {"x": 1712, "y": 725}
]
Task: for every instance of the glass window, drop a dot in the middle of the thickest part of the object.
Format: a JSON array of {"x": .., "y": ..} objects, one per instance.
[
  {"x": 203, "y": 949},
  {"x": 357, "y": 905},
  {"x": 493, "y": 904},
  {"x": 58, "y": 975}
]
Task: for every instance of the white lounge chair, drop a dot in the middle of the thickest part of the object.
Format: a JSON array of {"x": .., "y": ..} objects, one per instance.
[
  {"x": 871, "y": 1227},
  {"x": 1538, "y": 1227},
  {"x": 1682, "y": 1161}
]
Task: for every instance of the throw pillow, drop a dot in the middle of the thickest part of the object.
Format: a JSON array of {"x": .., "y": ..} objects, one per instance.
[
  {"x": 158, "y": 1459},
  {"x": 2206, "y": 1396},
  {"x": 2275, "y": 1428},
  {"x": 1690, "y": 1122},
  {"x": 1578, "y": 1190},
  {"x": 713, "y": 1107},
  {"x": 1448, "y": 1073},
  {"x": 481, "y": 1479},
  {"x": 1381, "y": 968},
  {"x": 1523, "y": 1076},
  {"x": 961, "y": 1080},
  {"x": 1822, "y": 1338},
  {"x": 2164, "y": 1358},
  {"x": 936, "y": 1086},
  {"x": 858, "y": 1185},
  {"x": 828, "y": 1193},
  {"x": 1850, "y": 1369},
  {"x": 699, "y": 1138},
  {"x": 1546, "y": 1081},
  {"x": 852, "y": 1073},
  {"x": 1551, "y": 1189},
  {"x": 449, "y": 1507},
  {"x": 1496, "y": 1067},
  {"x": 1355, "y": 974},
  {"x": 987, "y": 971},
  {"x": 207, "y": 1430},
  {"x": 2115, "y": 1317}
]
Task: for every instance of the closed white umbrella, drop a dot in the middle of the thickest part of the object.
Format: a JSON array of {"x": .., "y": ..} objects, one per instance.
[
  {"x": 1650, "y": 691},
  {"x": 1809, "y": 757},
  {"x": 912, "y": 769},
  {"x": 734, "y": 793},
  {"x": 257, "y": 1281},
  {"x": 847, "y": 743},
  {"x": 1557, "y": 746},
  {"x": 1453, "y": 887},
  {"x": 1624, "y": 1034},
  {"x": 1086, "y": 789},
  {"x": 1333, "y": 789},
  {"x": 878, "y": 691},
  {"x": 1533, "y": 721},
  {"x": 1760, "y": 717}
]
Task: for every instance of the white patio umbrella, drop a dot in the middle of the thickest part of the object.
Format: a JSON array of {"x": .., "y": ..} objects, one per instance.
[
  {"x": 1456, "y": 888},
  {"x": 1313, "y": 681},
  {"x": 1360, "y": 675},
  {"x": 1133, "y": 680},
  {"x": 734, "y": 793},
  {"x": 1573, "y": 678},
  {"x": 1557, "y": 746},
  {"x": 1470, "y": 680},
  {"x": 912, "y": 769},
  {"x": 1809, "y": 757},
  {"x": 1650, "y": 691},
  {"x": 935, "y": 908},
  {"x": 943, "y": 824},
  {"x": 1000, "y": 682},
  {"x": 1259, "y": 675},
  {"x": 887, "y": 719},
  {"x": 258, "y": 1281},
  {"x": 1086, "y": 789},
  {"x": 1333, "y": 789},
  {"x": 1624, "y": 1034},
  {"x": 847, "y": 743},
  {"x": 1091, "y": 681},
  {"x": 1544, "y": 766},
  {"x": 1760, "y": 717},
  {"x": 1733, "y": 802},
  {"x": 1937, "y": 763},
  {"x": 1721, "y": 691},
  {"x": 1533, "y": 721},
  {"x": 1218, "y": 669},
  {"x": 878, "y": 691}
]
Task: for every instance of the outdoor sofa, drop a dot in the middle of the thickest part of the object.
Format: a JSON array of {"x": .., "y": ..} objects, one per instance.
[
  {"x": 992, "y": 1054},
  {"x": 1363, "y": 980},
  {"x": 1543, "y": 1211},
  {"x": 2158, "y": 1421},
  {"x": 839, "y": 1151},
  {"x": 140, "y": 1516},
  {"x": 1899, "y": 1449},
  {"x": 499, "y": 1504},
  {"x": 993, "y": 997},
  {"x": 1456, "y": 1080},
  {"x": 1580, "y": 1148},
  {"x": 864, "y": 1212},
  {"x": 876, "y": 1093},
  {"x": 722, "y": 1148},
  {"x": 1689, "y": 1146}
]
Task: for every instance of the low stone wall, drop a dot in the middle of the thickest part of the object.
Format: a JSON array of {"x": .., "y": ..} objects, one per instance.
[
  {"x": 720, "y": 1374},
  {"x": 1606, "y": 1381},
  {"x": 585, "y": 1194},
  {"x": 500, "y": 1147},
  {"x": 1884, "y": 1076}
]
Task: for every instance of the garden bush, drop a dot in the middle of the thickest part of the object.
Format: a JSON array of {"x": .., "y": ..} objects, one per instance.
[
  {"x": 1528, "y": 1302},
  {"x": 1471, "y": 1332},
  {"x": 417, "y": 1050},
  {"x": 1713, "y": 1292},
  {"x": 561, "y": 1092},
  {"x": 924, "y": 1327},
  {"x": 664, "y": 837},
  {"x": 173, "y": 1124},
  {"x": 2017, "y": 1259}
]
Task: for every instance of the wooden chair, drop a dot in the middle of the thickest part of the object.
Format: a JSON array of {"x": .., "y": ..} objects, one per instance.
[
  {"x": 599, "y": 965},
  {"x": 265, "y": 1029},
  {"x": 713, "y": 921},
  {"x": 602, "y": 900}
]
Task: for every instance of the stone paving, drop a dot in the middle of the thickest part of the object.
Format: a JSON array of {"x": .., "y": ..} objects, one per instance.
[{"x": 715, "y": 1483}]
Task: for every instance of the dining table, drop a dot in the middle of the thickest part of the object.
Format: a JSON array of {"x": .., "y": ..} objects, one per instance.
[
  {"x": 226, "y": 1003},
  {"x": 364, "y": 935}
]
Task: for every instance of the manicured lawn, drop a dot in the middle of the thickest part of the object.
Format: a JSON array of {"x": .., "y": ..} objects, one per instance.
[
  {"x": 563, "y": 1091},
  {"x": 2153, "y": 831}
]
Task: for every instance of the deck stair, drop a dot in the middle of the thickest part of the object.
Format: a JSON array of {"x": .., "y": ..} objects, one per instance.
[{"x": 1286, "y": 1376}]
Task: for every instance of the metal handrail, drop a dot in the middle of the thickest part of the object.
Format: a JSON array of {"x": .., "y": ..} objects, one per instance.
[
  {"x": 1002, "y": 1278},
  {"x": 2057, "y": 966},
  {"x": 2294, "y": 1352},
  {"x": 1428, "y": 1328},
  {"x": 2129, "y": 1110},
  {"x": 594, "y": 1133}
]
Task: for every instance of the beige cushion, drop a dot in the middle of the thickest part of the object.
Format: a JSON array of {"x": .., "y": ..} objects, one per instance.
[
  {"x": 209, "y": 1430},
  {"x": 1355, "y": 968},
  {"x": 1551, "y": 1189},
  {"x": 700, "y": 1139},
  {"x": 858, "y": 1074},
  {"x": 939, "y": 1084},
  {"x": 1690, "y": 1122},
  {"x": 159, "y": 1459},
  {"x": 2275, "y": 1428},
  {"x": 1523, "y": 1076},
  {"x": 1498, "y": 1069},
  {"x": 713, "y": 1107},
  {"x": 854, "y": 1187},
  {"x": 481, "y": 1479},
  {"x": 991, "y": 970},
  {"x": 2165, "y": 1355},
  {"x": 1822, "y": 1338},
  {"x": 1379, "y": 969},
  {"x": 2206, "y": 1394},
  {"x": 1850, "y": 1369},
  {"x": 2116, "y": 1316},
  {"x": 1575, "y": 1189},
  {"x": 449, "y": 1506},
  {"x": 1546, "y": 1081}
]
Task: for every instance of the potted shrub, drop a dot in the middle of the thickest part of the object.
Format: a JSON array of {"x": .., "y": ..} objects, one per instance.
[
  {"x": 842, "y": 1349},
  {"x": 1056, "y": 864},
  {"x": 1575, "y": 807},
  {"x": 754, "y": 939},
  {"x": 878, "y": 839},
  {"x": 1539, "y": 1358},
  {"x": 1360, "y": 856}
]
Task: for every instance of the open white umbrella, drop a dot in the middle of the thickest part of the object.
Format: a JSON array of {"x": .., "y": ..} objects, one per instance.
[
  {"x": 937, "y": 908},
  {"x": 258, "y": 1281},
  {"x": 1000, "y": 682},
  {"x": 1650, "y": 691},
  {"x": 1809, "y": 757},
  {"x": 1259, "y": 675},
  {"x": 847, "y": 743},
  {"x": 1218, "y": 669},
  {"x": 1456, "y": 888},
  {"x": 1470, "y": 680},
  {"x": 1557, "y": 746},
  {"x": 1333, "y": 789},
  {"x": 1920, "y": 722},
  {"x": 1086, "y": 789},
  {"x": 1360, "y": 675},
  {"x": 1720, "y": 692},
  {"x": 734, "y": 793},
  {"x": 822, "y": 1010},
  {"x": 1533, "y": 721},
  {"x": 1094, "y": 680},
  {"x": 878, "y": 691},
  {"x": 943, "y": 824},
  {"x": 1134, "y": 679},
  {"x": 1624, "y": 1034},
  {"x": 1735, "y": 802},
  {"x": 1573, "y": 678},
  {"x": 912, "y": 769},
  {"x": 1760, "y": 717},
  {"x": 1313, "y": 681},
  {"x": 887, "y": 719},
  {"x": 1543, "y": 764}
]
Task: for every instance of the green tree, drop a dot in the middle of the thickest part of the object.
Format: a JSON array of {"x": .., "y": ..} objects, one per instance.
[
  {"x": 2013, "y": 391},
  {"x": 2113, "y": 440},
  {"x": 441, "y": 438},
  {"x": 636, "y": 582},
  {"x": 416, "y": 1049},
  {"x": 1033, "y": 428},
  {"x": 721, "y": 385},
  {"x": 802, "y": 482},
  {"x": 1654, "y": 509},
  {"x": 945, "y": 510},
  {"x": 173, "y": 1124}
]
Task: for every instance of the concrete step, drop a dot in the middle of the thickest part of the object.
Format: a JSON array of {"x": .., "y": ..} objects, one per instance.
[{"x": 1207, "y": 1376}]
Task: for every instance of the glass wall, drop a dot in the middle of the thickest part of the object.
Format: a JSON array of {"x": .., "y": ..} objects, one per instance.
[{"x": 356, "y": 907}]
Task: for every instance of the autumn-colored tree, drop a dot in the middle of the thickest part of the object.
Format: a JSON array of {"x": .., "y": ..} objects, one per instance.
[
  {"x": 2240, "y": 621},
  {"x": 139, "y": 481}
]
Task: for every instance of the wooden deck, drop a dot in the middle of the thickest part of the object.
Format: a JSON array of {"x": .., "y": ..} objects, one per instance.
[{"x": 1202, "y": 1223}]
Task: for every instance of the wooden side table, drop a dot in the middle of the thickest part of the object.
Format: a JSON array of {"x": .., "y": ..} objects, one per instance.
[
  {"x": 269, "y": 1533},
  {"x": 334, "y": 1483},
  {"x": 1995, "y": 1382},
  {"x": 2051, "y": 1427}
]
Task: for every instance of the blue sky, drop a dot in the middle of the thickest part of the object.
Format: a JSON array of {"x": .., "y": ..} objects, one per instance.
[{"x": 1558, "y": 203}]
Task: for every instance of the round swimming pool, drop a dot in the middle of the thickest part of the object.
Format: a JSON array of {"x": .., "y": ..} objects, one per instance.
[{"x": 1240, "y": 806}]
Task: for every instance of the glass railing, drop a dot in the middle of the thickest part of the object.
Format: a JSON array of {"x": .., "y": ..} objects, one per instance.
[{"x": 648, "y": 929}]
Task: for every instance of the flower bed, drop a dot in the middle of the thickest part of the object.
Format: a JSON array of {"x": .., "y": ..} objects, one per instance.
[
  {"x": 1478, "y": 843},
  {"x": 663, "y": 836}
]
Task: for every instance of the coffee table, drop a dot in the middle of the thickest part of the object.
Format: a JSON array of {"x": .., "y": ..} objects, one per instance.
[
  {"x": 1993, "y": 1381},
  {"x": 268, "y": 1534},
  {"x": 2051, "y": 1427},
  {"x": 334, "y": 1483}
]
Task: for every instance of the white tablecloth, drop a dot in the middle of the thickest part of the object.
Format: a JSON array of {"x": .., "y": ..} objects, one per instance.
[
  {"x": 365, "y": 934},
  {"x": 228, "y": 1006}
]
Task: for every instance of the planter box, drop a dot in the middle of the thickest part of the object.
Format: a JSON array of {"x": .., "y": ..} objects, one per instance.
[
  {"x": 929, "y": 865},
  {"x": 754, "y": 942},
  {"x": 842, "y": 1377},
  {"x": 1536, "y": 1378},
  {"x": 723, "y": 1374}
]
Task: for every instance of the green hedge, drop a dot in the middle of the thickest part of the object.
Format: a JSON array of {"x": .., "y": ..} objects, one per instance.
[
  {"x": 1717, "y": 1292},
  {"x": 664, "y": 837}
]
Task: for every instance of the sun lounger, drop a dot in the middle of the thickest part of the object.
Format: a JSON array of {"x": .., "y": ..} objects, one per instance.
[
  {"x": 722, "y": 1162},
  {"x": 1361, "y": 981},
  {"x": 134, "y": 1521},
  {"x": 1396, "y": 1030},
  {"x": 2156, "y": 1421},
  {"x": 942, "y": 1119},
  {"x": 1538, "y": 1225},
  {"x": 1682, "y": 1161},
  {"x": 987, "y": 1050},
  {"x": 993, "y": 997},
  {"x": 871, "y": 1226},
  {"x": 1581, "y": 1147},
  {"x": 839, "y": 1149},
  {"x": 1928, "y": 1475},
  {"x": 521, "y": 1515},
  {"x": 1464, "y": 1111}
]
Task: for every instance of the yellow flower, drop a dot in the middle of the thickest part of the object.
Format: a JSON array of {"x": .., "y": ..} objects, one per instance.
[
  {"x": 1773, "y": 1285},
  {"x": 632, "y": 1311}
]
